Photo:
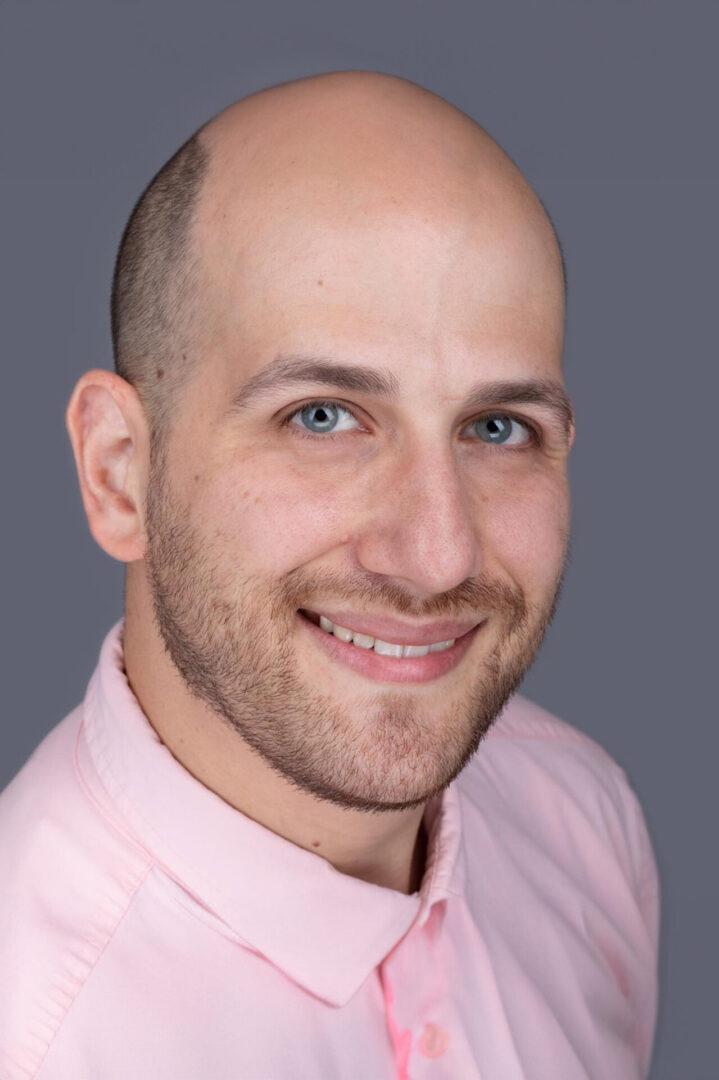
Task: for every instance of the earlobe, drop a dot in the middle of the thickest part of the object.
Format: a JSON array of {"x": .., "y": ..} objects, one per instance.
[{"x": 108, "y": 431}]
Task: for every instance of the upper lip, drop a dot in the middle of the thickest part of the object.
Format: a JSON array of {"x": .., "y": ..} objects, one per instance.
[{"x": 399, "y": 633}]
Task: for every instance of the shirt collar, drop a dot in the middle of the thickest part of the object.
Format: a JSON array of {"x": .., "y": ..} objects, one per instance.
[{"x": 325, "y": 929}]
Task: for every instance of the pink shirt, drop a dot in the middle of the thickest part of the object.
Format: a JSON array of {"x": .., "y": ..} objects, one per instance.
[{"x": 149, "y": 931}]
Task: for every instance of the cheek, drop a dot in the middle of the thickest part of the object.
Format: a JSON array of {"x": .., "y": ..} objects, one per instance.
[
  {"x": 525, "y": 528},
  {"x": 272, "y": 521}
]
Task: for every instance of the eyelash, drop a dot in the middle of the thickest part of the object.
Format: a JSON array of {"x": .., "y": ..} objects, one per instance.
[{"x": 534, "y": 440}]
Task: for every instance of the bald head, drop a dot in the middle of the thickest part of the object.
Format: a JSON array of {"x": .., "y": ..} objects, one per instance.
[{"x": 345, "y": 151}]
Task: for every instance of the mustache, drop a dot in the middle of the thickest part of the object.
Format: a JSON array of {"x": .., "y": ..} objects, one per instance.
[{"x": 467, "y": 600}]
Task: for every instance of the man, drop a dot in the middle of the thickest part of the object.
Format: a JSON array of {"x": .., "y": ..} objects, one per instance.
[{"x": 303, "y": 825}]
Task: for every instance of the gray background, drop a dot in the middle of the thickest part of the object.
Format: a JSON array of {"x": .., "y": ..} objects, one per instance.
[{"x": 610, "y": 110}]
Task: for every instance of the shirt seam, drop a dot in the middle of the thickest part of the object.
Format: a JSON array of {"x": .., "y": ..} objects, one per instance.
[
  {"x": 574, "y": 737},
  {"x": 114, "y": 818},
  {"x": 566, "y": 739},
  {"x": 132, "y": 895},
  {"x": 125, "y": 828}
]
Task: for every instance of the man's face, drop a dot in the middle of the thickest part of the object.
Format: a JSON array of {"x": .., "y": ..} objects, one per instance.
[{"x": 403, "y": 508}]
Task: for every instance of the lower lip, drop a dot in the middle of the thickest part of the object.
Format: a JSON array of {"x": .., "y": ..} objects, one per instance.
[{"x": 391, "y": 668}]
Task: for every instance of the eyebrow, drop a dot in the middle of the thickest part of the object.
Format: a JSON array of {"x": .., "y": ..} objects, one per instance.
[{"x": 381, "y": 383}]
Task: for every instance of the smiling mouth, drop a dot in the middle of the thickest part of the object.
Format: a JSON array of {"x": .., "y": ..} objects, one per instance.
[
  {"x": 378, "y": 645},
  {"x": 364, "y": 659}
]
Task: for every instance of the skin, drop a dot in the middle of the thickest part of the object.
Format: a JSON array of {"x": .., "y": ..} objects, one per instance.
[{"x": 359, "y": 217}]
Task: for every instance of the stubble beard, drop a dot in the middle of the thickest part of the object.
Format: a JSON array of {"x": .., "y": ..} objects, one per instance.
[{"x": 234, "y": 646}]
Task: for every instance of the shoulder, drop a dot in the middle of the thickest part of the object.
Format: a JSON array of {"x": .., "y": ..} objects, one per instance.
[
  {"x": 525, "y": 719},
  {"x": 553, "y": 780},
  {"x": 543, "y": 743},
  {"x": 68, "y": 877},
  {"x": 553, "y": 829}
]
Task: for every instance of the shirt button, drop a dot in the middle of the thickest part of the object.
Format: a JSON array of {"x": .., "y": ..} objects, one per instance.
[{"x": 433, "y": 1041}]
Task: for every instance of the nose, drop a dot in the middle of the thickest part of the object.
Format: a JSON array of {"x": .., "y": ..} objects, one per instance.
[{"x": 422, "y": 528}]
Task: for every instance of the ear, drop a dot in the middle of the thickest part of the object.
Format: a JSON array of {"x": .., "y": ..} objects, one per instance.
[{"x": 110, "y": 440}]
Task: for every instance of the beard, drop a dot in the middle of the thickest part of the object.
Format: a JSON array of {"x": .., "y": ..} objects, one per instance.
[{"x": 233, "y": 639}]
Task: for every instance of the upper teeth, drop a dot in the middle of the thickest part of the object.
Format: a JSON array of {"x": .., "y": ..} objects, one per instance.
[{"x": 385, "y": 648}]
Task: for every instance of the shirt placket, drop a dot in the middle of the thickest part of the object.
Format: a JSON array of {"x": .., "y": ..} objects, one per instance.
[{"x": 417, "y": 993}]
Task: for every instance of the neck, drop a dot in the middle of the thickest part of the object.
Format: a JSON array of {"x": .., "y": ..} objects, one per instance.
[{"x": 384, "y": 849}]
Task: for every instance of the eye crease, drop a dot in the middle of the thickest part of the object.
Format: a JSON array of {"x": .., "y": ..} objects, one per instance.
[{"x": 499, "y": 425}]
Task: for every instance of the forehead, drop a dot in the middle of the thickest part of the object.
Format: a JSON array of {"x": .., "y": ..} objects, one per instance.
[
  {"x": 388, "y": 264},
  {"x": 425, "y": 278}
]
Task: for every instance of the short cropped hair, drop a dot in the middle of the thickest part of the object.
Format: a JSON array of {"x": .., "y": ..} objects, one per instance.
[{"x": 155, "y": 288}]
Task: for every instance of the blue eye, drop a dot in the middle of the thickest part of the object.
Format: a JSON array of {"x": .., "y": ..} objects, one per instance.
[
  {"x": 324, "y": 418},
  {"x": 500, "y": 429}
]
